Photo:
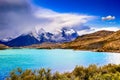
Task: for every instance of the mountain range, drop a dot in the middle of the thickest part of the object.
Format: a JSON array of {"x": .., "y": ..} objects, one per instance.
[
  {"x": 41, "y": 36},
  {"x": 102, "y": 41},
  {"x": 107, "y": 41}
]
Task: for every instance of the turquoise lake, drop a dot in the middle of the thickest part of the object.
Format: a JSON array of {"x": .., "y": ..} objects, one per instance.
[{"x": 56, "y": 59}]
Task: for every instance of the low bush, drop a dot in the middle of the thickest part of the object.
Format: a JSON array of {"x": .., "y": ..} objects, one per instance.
[{"x": 92, "y": 72}]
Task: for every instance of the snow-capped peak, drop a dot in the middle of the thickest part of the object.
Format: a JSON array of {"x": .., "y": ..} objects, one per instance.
[
  {"x": 7, "y": 39},
  {"x": 40, "y": 31},
  {"x": 71, "y": 31}
]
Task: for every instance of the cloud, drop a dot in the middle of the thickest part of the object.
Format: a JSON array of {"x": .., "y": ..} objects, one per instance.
[
  {"x": 107, "y": 18},
  {"x": 86, "y": 31},
  {"x": 19, "y": 16},
  {"x": 95, "y": 29},
  {"x": 107, "y": 28},
  {"x": 60, "y": 20}
]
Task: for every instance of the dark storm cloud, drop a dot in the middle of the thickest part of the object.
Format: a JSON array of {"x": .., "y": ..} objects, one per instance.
[
  {"x": 16, "y": 17},
  {"x": 5, "y": 7},
  {"x": 10, "y": 11}
]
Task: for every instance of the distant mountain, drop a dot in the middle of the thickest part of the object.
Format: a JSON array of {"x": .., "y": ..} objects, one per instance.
[
  {"x": 85, "y": 42},
  {"x": 107, "y": 41},
  {"x": 1, "y": 42},
  {"x": 69, "y": 34},
  {"x": 22, "y": 40},
  {"x": 41, "y": 36}
]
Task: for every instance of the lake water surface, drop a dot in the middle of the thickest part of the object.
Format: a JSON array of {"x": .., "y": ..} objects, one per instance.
[{"x": 57, "y": 59}]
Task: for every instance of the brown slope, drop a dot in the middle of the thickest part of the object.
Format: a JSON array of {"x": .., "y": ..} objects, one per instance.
[
  {"x": 45, "y": 46},
  {"x": 112, "y": 42},
  {"x": 92, "y": 41},
  {"x": 3, "y": 47}
]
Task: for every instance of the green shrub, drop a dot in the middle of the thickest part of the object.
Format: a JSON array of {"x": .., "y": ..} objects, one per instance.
[{"x": 92, "y": 72}]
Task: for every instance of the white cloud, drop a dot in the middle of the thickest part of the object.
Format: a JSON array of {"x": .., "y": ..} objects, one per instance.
[
  {"x": 59, "y": 20},
  {"x": 95, "y": 29},
  {"x": 107, "y": 28},
  {"x": 108, "y": 18},
  {"x": 87, "y": 31}
]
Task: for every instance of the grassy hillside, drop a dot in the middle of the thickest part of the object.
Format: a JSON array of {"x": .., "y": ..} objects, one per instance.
[
  {"x": 112, "y": 42},
  {"x": 94, "y": 41}
]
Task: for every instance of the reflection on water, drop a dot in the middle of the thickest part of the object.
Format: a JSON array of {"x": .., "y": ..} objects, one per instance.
[
  {"x": 113, "y": 58},
  {"x": 56, "y": 59}
]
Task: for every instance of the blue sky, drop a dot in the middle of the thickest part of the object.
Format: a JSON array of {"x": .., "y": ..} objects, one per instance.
[
  {"x": 84, "y": 16},
  {"x": 98, "y": 8},
  {"x": 94, "y": 7}
]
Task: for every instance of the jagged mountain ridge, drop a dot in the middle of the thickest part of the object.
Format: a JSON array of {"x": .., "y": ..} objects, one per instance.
[
  {"x": 41, "y": 36},
  {"x": 107, "y": 41},
  {"x": 81, "y": 42}
]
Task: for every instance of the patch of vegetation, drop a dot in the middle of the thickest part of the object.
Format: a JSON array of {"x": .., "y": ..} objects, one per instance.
[{"x": 92, "y": 72}]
